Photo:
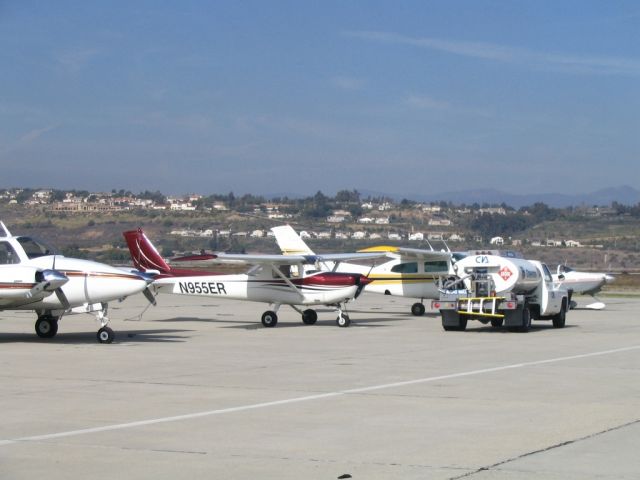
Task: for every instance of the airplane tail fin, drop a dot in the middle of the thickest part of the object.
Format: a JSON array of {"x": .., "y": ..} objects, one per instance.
[
  {"x": 290, "y": 242},
  {"x": 143, "y": 253}
]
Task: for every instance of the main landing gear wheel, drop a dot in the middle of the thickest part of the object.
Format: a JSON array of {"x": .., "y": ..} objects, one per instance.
[
  {"x": 269, "y": 319},
  {"x": 309, "y": 317},
  {"x": 497, "y": 322},
  {"x": 417, "y": 309},
  {"x": 47, "y": 327},
  {"x": 343, "y": 320},
  {"x": 105, "y": 335}
]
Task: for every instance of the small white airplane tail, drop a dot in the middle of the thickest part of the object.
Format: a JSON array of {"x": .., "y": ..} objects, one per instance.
[{"x": 290, "y": 242}]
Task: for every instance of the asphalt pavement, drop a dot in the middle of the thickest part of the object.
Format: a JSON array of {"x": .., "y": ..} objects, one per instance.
[{"x": 200, "y": 389}]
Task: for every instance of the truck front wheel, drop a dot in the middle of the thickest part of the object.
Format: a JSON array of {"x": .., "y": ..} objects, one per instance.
[{"x": 560, "y": 318}]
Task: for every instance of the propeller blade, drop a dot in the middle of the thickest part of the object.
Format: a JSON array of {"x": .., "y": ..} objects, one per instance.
[
  {"x": 149, "y": 296},
  {"x": 47, "y": 281},
  {"x": 63, "y": 298},
  {"x": 362, "y": 281}
]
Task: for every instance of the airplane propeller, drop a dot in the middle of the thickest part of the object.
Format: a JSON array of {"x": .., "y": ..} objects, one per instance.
[
  {"x": 148, "y": 294},
  {"x": 58, "y": 291},
  {"x": 51, "y": 281},
  {"x": 361, "y": 282}
]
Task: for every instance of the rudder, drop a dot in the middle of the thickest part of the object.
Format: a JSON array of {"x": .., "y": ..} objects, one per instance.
[
  {"x": 143, "y": 254},
  {"x": 290, "y": 242}
]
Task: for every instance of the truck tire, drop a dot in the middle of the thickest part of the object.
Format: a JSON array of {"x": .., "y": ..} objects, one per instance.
[
  {"x": 459, "y": 326},
  {"x": 497, "y": 322},
  {"x": 560, "y": 318},
  {"x": 526, "y": 319}
]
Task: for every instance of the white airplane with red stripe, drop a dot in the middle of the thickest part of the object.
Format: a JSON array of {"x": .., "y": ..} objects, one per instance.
[
  {"x": 587, "y": 283},
  {"x": 34, "y": 277},
  {"x": 271, "y": 279}
]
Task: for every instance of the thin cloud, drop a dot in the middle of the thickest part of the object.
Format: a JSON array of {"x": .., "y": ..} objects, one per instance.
[
  {"x": 347, "y": 83},
  {"x": 513, "y": 55},
  {"x": 28, "y": 139},
  {"x": 76, "y": 59},
  {"x": 424, "y": 102},
  {"x": 428, "y": 103},
  {"x": 33, "y": 135}
]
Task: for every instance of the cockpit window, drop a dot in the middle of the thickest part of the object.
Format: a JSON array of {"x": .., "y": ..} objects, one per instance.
[
  {"x": 457, "y": 256},
  {"x": 8, "y": 255},
  {"x": 35, "y": 248},
  {"x": 410, "y": 267},
  {"x": 436, "y": 266}
]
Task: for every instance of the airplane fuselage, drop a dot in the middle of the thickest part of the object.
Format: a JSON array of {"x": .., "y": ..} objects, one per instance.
[
  {"x": 392, "y": 278},
  {"x": 315, "y": 289},
  {"x": 583, "y": 282},
  {"x": 89, "y": 282}
]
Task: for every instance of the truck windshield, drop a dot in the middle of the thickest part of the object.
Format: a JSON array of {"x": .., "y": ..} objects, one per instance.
[
  {"x": 547, "y": 273},
  {"x": 35, "y": 248}
]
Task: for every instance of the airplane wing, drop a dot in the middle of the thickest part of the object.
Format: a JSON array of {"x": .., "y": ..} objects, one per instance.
[
  {"x": 417, "y": 253},
  {"x": 250, "y": 259}
]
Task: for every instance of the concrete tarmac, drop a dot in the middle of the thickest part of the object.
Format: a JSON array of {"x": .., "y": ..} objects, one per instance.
[{"x": 197, "y": 388}]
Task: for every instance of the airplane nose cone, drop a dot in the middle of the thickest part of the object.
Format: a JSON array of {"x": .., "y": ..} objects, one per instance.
[
  {"x": 145, "y": 276},
  {"x": 609, "y": 278},
  {"x": 54, "y": 279},
  {"x": 363, "y": 281}
]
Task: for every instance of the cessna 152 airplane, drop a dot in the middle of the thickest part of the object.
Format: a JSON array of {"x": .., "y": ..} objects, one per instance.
[
  {"x": 411, "y": 272},
  {"x": 582, "y": 282},
  {"x": 34, "y": 277},
  {"x": 271, "y": 279}
]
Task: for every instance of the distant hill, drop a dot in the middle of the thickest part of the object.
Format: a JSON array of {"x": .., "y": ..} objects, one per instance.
[{"x": 625, "y": 195}]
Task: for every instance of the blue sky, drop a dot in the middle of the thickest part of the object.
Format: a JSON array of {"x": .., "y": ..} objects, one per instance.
[{"x": 287, "y": 96}]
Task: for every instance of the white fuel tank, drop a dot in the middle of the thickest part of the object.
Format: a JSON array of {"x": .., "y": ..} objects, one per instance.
[{"x": 508, "y": 274}]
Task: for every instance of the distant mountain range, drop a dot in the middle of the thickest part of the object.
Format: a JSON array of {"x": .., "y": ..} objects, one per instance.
[{"x": 625, "y": 195}]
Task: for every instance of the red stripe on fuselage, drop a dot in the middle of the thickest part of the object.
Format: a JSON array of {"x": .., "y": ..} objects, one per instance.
[{"x": 17, "y": 286}]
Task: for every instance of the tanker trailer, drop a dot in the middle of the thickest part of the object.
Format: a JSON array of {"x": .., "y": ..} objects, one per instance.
[{"x": 502, "y": 291}]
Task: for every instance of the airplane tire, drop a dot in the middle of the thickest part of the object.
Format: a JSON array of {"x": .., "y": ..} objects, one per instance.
[
  {"x": 47, "y": 327},
  {"x": 497, "y": 322},
  {"x": 269, "y": 319},
  {"x": 309, "y": 317},
  {"x": 343, "y": 320},
  {"x": 105, "y": 335},
  {"x": 417, "y": 309}
]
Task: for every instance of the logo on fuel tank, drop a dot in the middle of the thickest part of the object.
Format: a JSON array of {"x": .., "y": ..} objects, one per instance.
[{"x": 505, "y": 273}]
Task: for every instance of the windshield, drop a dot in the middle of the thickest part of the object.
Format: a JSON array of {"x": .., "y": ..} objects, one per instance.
[
  {"x": 35, "y": 248},
  {"x": 8, "y": 255}
]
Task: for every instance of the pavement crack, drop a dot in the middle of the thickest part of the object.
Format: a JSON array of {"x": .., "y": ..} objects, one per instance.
[{"x": 547, "y": 449}]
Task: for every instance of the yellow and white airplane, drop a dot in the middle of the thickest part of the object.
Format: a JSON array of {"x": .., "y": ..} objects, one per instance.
[{"x": 409, "y": 272}]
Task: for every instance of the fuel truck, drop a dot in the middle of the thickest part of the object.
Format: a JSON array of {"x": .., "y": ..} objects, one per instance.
[{"x": 501, "y": 289}]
